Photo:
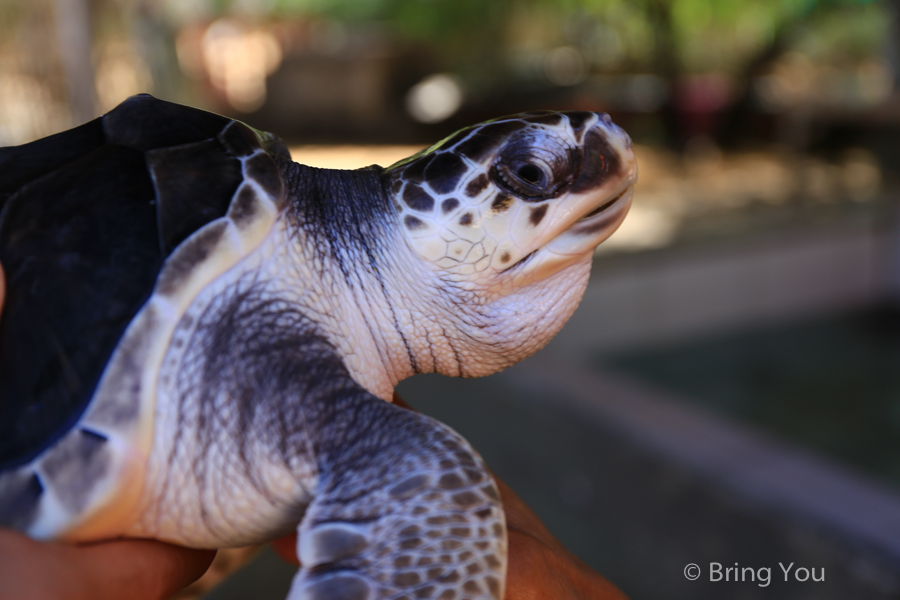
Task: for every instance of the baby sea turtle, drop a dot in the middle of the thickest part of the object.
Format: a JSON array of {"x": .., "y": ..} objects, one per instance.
[{"x": 200, "y": 335}]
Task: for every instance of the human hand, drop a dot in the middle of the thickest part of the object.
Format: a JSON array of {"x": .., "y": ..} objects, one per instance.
[
  {"x": 134, "y": 569},
  {"x": 540, "y": 568}
]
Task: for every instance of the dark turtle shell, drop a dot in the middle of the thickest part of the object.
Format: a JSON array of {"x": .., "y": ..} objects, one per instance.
[{"x": 87, "y": 218}]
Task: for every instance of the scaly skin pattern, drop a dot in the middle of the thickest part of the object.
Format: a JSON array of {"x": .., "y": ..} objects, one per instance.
[{"x": 268, "y": 392}]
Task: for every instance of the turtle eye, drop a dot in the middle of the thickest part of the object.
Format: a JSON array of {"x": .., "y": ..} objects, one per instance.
[
  {"x": 523, "y": 178},
  {"x": 530, "y": 174}
]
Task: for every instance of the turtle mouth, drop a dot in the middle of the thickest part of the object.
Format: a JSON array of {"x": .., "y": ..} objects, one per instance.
[
  {"x": 603, "y": 217},
  {"x": 587, "y": 231},
  {"x": 601, "y": 208}
]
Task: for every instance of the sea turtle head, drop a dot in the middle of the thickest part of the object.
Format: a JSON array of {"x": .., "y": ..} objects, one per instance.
[{"x": 508, "y": 213}]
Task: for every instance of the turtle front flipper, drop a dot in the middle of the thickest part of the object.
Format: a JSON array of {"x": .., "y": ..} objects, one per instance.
[{"x": 404, "y": 508}]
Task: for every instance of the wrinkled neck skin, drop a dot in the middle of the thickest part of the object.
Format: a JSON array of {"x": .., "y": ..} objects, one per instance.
[{"x": 391, "y": 314}]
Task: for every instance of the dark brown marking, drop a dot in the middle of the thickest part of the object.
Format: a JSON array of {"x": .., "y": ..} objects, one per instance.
[
  {"x": 477, "y": 185},
  {"x": 465, "y": 499},
  {"x": 412, "y": 223},
  {"x": 438, "y": 520},
  {"x": 537, "y": 214},
  {"x": 491, "y": 492},
  {"x": 448, "y": 205},
  {"x": 397, "y": 185},
  {"x": 188, "y": 256},
  {"x": 243, "y": 207},
  {"x": 505, "y": 257},
  {"x": 416, "y": 198},
  {"x": 444, "y": 172},
  {"x": 594, "y": 226},
  {"x": 472, "y": 587},
  {"x": 451, "y": 577},
  {"x": 466, "y": 220},
  {"x": 262, "y": 169},
  {"x": 601, "y": 161},
  {"x": 501, "y": 203},
  {"x": 450, "y": 481},
  {"x": 425, "y": 592},
  {"x": 577, "y": 120},
  {"x": 474, "y": 475},
  {"x": 239, "y": 140},
  {"x": 402, "y": 561},
  {"x": 407, "y": 579}
]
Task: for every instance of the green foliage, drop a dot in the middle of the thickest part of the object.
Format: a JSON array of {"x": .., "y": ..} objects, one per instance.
[{"x": 690, "y": 35}]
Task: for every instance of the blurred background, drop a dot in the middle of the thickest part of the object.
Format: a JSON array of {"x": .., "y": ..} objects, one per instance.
[{"x": 729, "y": 390}]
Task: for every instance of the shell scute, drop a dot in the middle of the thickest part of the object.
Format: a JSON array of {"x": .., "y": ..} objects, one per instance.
[{"x": 89, "y": 219}]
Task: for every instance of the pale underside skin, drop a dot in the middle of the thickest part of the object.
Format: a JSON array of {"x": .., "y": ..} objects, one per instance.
[{"x": 403, "y": 507}]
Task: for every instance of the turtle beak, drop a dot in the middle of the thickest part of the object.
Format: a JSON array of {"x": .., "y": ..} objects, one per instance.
[{"x": 601, "y": 196}]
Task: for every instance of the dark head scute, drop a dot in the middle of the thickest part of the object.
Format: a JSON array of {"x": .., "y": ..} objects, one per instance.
[
  {"x": 413, "y": 223},
  {"x": 466, "y": 220},
  {"x": 477, "y": 185},
  {"x": 417, "y": 199},
  {"x": 537, "y": 214},
  {"x": 487, "y": 139},
  {"x": 239, "y": 140},
  {"x": 578, "y": 120},
  {"x": 449, "y": 205},
  {"x": 415, "y": 171},
  {"x": 444, "y": 172},
  {"x": 550, "y": 118},
  {"x": 600, "y": 162}
]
